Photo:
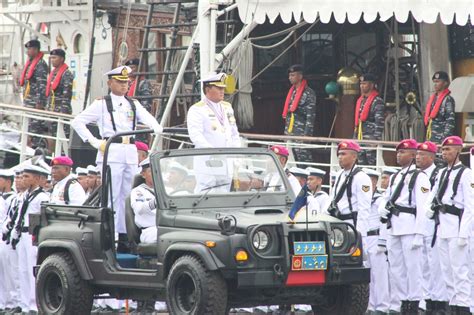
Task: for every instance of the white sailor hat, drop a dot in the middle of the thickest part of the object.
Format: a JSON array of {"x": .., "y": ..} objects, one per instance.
[
  {"x": 6, "y": 173},
  {"x": 35, "y": 170},
  {"x": 178, "y": 167},
  {"x": 92, "y": 170},
  {"x": 218, "y": 80},
  {"x": 18, "y": 170},
  {"x": 145, "y": 163},
  {"x": 81, "y": 171},
  {"x": 296, "y": 171},
  {"x": 371, "y": 172},
  {"x": 389, "y": 170},
  {"x": 313, "y": 171},
  {"x": 120, "y": 73}
]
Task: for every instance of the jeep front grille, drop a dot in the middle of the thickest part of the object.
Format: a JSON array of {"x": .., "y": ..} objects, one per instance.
[{"x": 304, "y": 236}]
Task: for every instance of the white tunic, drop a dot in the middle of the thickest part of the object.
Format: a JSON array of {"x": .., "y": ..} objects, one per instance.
[
  {"x": 318, "y": 203},
  {"x": 123, "y": 118},
  {"x": 141, "y": 199},
  {"x": 34, "y": 206},
  {"x": 77, "y": 195}
]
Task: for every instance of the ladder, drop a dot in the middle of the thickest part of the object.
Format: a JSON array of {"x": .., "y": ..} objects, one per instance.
[{"x": 184, "y": 17}]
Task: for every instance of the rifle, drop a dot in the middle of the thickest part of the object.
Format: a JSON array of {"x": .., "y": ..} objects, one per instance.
[
  {"x": 436, "y": 205},
  {"x": 390, "y": 206},
  {"x": 10, "y": 225},
  {"x": 333, "y": 208}
]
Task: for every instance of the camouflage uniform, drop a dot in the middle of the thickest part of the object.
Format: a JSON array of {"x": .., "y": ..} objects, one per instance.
[
  {"x": 304, "y": 122},
  {"x": 372, "y": 128},
  {"x": 36, "y": 96},
  {"x": 442, "y": 125},
  {"x": 144, "y": 89},
  {"x": 62, "y": 98}
]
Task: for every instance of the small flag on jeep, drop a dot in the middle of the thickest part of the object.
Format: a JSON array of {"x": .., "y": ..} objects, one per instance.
[{"x": 300, "y": 202}]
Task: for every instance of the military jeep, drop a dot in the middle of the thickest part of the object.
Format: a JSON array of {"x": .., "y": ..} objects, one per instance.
[{"x": 224, "y": 240}]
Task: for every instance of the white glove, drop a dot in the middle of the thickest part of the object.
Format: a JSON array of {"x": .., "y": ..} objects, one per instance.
[
  {"x": 417, "y": 241},
  {"x": 95, "y": 142},
  {"x": 429, "y": 213},
  {"x": 384, "y": 212},
  {"x": 158, "y": 129},
  {"x": 462, "y": 241},
  {"x": 5, "y": 228},
  {"x": 14, "y": 235}
]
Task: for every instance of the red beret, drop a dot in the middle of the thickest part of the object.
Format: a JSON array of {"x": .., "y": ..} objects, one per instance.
[
  {"x": 407, "y": 144},
  {"x": 452, "y": 141},
  {"x": 428, "y": 146},
  {"x": 280, "y": 150},
  {"x": 348, "y": 146},
  {"x": 141, "y": 146},
  {"x": 62, "y": 160}
]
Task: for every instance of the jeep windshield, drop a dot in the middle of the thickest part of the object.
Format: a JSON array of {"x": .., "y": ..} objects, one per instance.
[{"x": 202, "y": 176}]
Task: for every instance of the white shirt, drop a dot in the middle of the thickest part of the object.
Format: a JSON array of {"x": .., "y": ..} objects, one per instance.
[
  {"x": 123, "y": 118},
  {"x": 449, "y": 224},
  {"x": 318, "y": 203},
  {"x": 34, "y": 206},
  {"x": 206, "y": 131},
  {"x": 407, "y": 223},
  {"x": 361, "y": 197},
  {"x": 429, "y": 225},
  {"x": 77, "y": 195},
  {"x": 373, "y": 219},
  {"x": 141, "y": 199},
  {"x": 294, "y": 183}
]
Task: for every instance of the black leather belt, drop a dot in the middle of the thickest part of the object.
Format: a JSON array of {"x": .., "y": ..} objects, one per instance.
[
  {"x": 373, "y": 232},
  {"x": 452, "y": 210},
  {"x": 350, "y": 216},
  {"x": 122, "y": 140},
  {"x": 406, "y": 209},
  {"x": 24, "y": 229}
]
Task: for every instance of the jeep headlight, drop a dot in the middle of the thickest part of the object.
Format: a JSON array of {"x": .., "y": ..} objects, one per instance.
[
  {"x": 337, "y": 237},
  {"x": 261, "y": 240}
]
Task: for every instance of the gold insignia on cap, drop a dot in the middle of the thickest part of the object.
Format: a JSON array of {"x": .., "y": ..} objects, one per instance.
[
  {"x": 436, "y": 76},
  {"x": 124, "y": 71},
  {"x": 276, "y": 150},
  {"x": 424, "y": 146},
  {"x": 405, "y": 144},
  {"x": 365, "y": 188},
  {"x": 344, "y": 145},
  {"x": 424, "y": 190},
  {"x": 450, "y": 140}
]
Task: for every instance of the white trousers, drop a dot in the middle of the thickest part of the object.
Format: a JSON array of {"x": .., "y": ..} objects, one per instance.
[
  {"x": 471, "y": 257},
  {"x": 395, "y": 300},
  {"x": 149, "y": 235},
  {"x": 122, "y": 180},
  {"x": 434, "y": 288},
  {"x": 379, "y": 299},
  {"x": 9, "y": 275},
  {"x": 455, "y": 269},
  {"x": 405, "y": 264},
  {"x": 26, "y": 261}
]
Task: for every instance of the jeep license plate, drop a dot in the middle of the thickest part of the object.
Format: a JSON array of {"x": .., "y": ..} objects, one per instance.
[
  {"x": 309, "y": 262},
  {"x": 309, "y": 248}
]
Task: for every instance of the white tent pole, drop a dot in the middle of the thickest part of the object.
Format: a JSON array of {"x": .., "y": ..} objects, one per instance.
[{"x": 204, "y": 20}]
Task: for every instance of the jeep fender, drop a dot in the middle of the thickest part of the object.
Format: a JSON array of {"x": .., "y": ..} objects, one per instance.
[
  {"x": 209, "y": 259},
  {"x": 49, "y": 247}
]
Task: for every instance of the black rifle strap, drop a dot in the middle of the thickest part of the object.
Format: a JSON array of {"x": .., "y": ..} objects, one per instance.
[
  {"x": 110, "y": 109},
  {"x": 411, "y": 184},
  {"x": 456, "y": 182},
  {"x": 433, "y": 176},
  {"x": 25, "y": 205},
  {"x": 346, "y": 186}
]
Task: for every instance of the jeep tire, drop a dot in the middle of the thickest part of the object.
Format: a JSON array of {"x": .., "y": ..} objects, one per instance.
[
  {"x": 194, "y": 290},
  {"x": 60, "y": 288},
  {"x": 342, "y": 300}
]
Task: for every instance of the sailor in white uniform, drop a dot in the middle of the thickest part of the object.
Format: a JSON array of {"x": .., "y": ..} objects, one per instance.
[
  {"x": 20, "y": 238},
  {"x": 318, "y": 200},
  {"x": 454, "y": 195},
  {"x": 143, "y": 203},
  {"x": 113, "y": 114},
  {"x": 297, "y": 178},
  {"x": 407, "y": 197},
  {"x": 66, "y": 189},
  {"x": 81, "y": 176},
  {"x": 379, "y": 298}
]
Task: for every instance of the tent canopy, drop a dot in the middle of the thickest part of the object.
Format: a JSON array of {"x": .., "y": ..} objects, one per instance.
[{"x": 450, "y": 11}]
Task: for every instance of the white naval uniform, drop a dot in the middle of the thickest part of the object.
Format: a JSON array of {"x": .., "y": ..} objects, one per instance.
[
  {"x": 405, "y": 258},
  {"x": 317, "y": 204},
  {"x": 212, "y": 125},
  {"x": 294, "y": 183},
  {"x": 454, "y": 258},
  {"x": 379, "y": 298},
  {"x": 433, "y": 288},
  {"x": 142, "y": 201},
  {"x": 122, "y": 158},
  {"x": 3, "y": 256},
  {"x": 27, "y": 253},
  {"x": 361, "y": 198},
  {"x": 77, "y": 195}
]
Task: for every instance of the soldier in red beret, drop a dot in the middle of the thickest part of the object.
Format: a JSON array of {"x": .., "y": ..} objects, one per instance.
[
  {"x": 434, "y": 290},
  {"x": 452, "y": 207},
  {"x": 406, "y": 199},
  {"x": 67, "y": 190}
]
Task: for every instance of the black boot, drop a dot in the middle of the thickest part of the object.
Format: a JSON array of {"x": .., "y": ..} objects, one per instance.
[
  {"x": 453, "y": 310},
  {"x": 430, "y": 307},
  {"x": 440, "y": 308},
  {"x": 413, "y": 307},
  {"x": 463, "y": 310},
  {"x": 404, "y": 308}
]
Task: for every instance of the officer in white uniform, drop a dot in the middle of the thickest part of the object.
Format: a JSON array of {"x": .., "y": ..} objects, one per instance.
[
  {"x": 20, "y": 238},
  {"x": 81, "y": 175},
  {"x": 61, "y": 173},
  {"x": 455, "y": 193},
  {"x": 318, "y": 200},
  {"x": 297, "y": 178},
  {"x": 406, "y": 233},
  {"x": 374, "y": 248},
  {"x": 434, "y": 290},
  {"x": 352, "y": 193},
  {"x": 143, "y": 204},
  {"x": 124, "y": 116}
]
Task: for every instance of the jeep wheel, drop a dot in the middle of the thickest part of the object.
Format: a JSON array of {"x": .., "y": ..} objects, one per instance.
[
  {"x": 341, "y": 300},
  {"x": 60, "y": 289},
  {"x": 194, "y": 290}
]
